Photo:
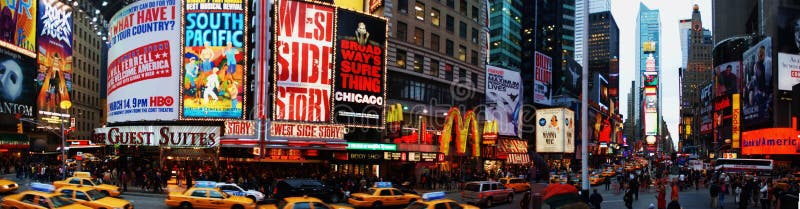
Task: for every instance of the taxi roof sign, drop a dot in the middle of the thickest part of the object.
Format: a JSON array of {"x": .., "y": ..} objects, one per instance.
[
  {"x": 43, "y": 187},
  {"x": 433, "y": 196},
  {"x": 82, "y": 174},
  {"x": 205, "y": 184},
  {"x": 383, "y": 184}
]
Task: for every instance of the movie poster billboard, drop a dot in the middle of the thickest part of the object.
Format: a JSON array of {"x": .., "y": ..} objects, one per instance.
[
  {"x": 214, "y": 72},
  {"x": 726, "y": 78},
  {"x": 757, "y": 90},
  {"x": 17, "y": 93},
  {"x": 789, "y": 52},
  {"x": 54, "y": 78},
  {"x": 706, "y": 109},
  {"x": 504, "y": 100},
  {"x": 303, "y": 61},
  {"x": 722, "y": 117},
  {"x": 555, "y": 130},
  {"x": 567, "y": 82},
  {"x": 543, "y": 83},
  {"x": 144, "y": 61},
  {"x": 18, "y": 23},
  {"x": 651, "y": 115},
  {"x": 360, "y": 70}
]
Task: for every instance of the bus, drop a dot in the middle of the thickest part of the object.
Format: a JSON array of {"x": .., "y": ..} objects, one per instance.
[{"x": 743, "y": 165}]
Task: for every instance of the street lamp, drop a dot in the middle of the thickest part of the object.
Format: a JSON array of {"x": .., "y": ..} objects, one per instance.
[{"x": 65, "y": 105}]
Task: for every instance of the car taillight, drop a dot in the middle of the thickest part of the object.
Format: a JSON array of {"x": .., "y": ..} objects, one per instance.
[
  {"x": 480, "y": 195},
  {"x": 275, "y": 190}
]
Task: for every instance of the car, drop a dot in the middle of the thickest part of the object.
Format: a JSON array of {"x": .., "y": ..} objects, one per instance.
[
  {"x": 306, "y": 187},
  {"x": 207, "y": 195},
  {"x": 235, "y": 190},
  {"x": 92, "y": 198},
  {"x": 382, "y": 194},
  {"x": 516, "y": 184},
  {"x": 40, "y": 196},
  {"x": 608, "y": 172},
  {"x": 7, "y": 186},
  {"x": 84, "y": 179},
  {"x": 302, "y": 202},
  {"x": 596, "y": 180},
  {"x": 486, "y": 193},
  {"x": 437, "y": 200}
]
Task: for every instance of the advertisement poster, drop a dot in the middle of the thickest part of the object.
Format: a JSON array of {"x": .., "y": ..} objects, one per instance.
[
  {"x": 789, "y": 51},
  {"x": 650, "y": 78},
  {"x": 757, "y": 90},
  {"x": 771, "y": 141},
  {"x": 163, "y": 136},
  {"x": 706, "y": 110},
  {"x": 567, "y": 82},
  {"x": 215, "y": 49},
  {"x": 303, "y": 61},
  {"x": 143, "y": 62},
  {"x": 555, "y": 130},
  {"x": 18, "y": 24},
  {"x": 360, "y": 70},
  {"x": 17, "y": 93},
  {"x": 543, "y": 74},
  {"x": 726, "y": 78},
  {"x": 722, "y": 117},
  {"x": 504, "y": 100},
  {"x": 54, "y": 78},
  {"x": 735, "y": 121},
  {"x": 651, "y": 115}
]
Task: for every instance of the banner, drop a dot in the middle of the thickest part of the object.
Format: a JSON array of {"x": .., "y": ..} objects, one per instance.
[
  {"x": 214, "y": 72},
  {"x": 17, "y": 95},
  {"x": 771, "y": 141},
  {"x": 727, "y": 78},
  {"x": 757, "y": 93},
  {"x": 504, "y": 100},
  {"x": 143, "y": 62},
  {"x": 298, "y": 130},
  {"x": 555, "y": 130},
  {"x": 543, "y": 83},
  {"x": 54, "y": 78},
  {"x": 163, "y": 136},
  {"x": 788, "y": 22},
  {"x": 360, "y": 70},
  {"x": 241, "y": 128},
  {"x": 18, "y": 24}
]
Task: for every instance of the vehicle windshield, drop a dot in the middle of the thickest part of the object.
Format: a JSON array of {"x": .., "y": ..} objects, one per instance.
[
  {"x": 95, "y": 195},
  {"x": 371, "y": 191},
  {"x": 473, "y": 187},
  {"x": 59, "y": 201},
  {"x": 95, "y": 182},
  {"x": 417, "y": 205}
]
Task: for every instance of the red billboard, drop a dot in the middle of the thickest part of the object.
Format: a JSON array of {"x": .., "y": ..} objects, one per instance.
[{"x": 770, "y": 141}]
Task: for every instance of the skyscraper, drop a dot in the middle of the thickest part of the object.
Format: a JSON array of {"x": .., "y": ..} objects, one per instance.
[
  {"x": 603, "y": 42},
  {"x": 648, "y": 29},
  {"x": 86, "y": 108},
  {"x": 595, "y": 6},
  {"x": 505, "y": 50},
  {"x": 695, "y": 72}
]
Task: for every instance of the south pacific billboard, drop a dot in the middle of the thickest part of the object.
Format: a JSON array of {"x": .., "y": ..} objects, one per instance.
[
  {"x": 18, "y": 25},
  {"x": 360, "y": 76},
  {"x": 757, "y": 78},
  {"x": 143, "y": 61},
  {"x": 214, "y": 72},
  {"x": 555, "y": 130},
  {"x": 55, "y": 74},
  {"x": 504, "y": 100},
  {"x": 17, "y": 93}
]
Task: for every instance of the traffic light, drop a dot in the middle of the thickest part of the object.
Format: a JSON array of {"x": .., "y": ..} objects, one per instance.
[{"x": 19, "y": 128}]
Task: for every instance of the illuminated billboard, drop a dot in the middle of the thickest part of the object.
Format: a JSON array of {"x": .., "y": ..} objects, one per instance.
[
  {"x": 758, "y": 78},
  {"x": 504, "y": 100},
  {"x": 650, "y": 63},
  {"x": 651, "y": 115},
  {"x": 543, "y": 83},
  {"x": 17, "y": 95},
  {"x": 143, "y": 62},
  {"x": 788, "y": 22},
  {"x": 555, "y": 131},
  {"x": 770, "y": 141},
  {"x": 727, "y": 78},
  {"x": 360, "y": 76},
  {"x": 19, "y": 21},
  {"x": 648, "y": 46},
  {"x": 303, "y": 61},
  {"x": 650, "y": 78},
  {"x": 54, "y": 78},
  {"x": 214, "y": 72}
]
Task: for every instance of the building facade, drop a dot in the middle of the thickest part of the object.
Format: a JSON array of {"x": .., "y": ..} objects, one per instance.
[
  {"x": 692, "y": 76},
  {"x": 595, "y": 6},
  {"x": 647, "y": 104},
  {"x": 87, "y": 65},
  {"x": 505, "y": 22}
]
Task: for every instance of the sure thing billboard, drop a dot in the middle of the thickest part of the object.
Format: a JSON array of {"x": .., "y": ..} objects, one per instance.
[
  {"x": 54, "y": 78},
  {"x": 214, "y": 52},
  {"x": 17, "y": 93},
  {"x": 555, "y": 130},
  {"x": 504, "y": 100},
  {"x": 757, "y": 92},
  {"x": 303, "y": 61},
  {"x": 360, "y": 70},
  {"x": 143, "y": 61},
  {"x": 18, "y": 25}
]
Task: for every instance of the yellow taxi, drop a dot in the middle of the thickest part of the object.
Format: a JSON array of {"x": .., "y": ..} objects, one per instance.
[
  {"x": 40, "y": 196},
  {"x": 516, "y": 184},
  {"x": 382, "y": 194},
  {"x": 437, "y": 200},
  {"x": 608, "y": 172},
  {"x": 205, "y": 195},
  {"x": 85, "y": 179},
  {"x": 596, "y": 180},
  {"x": 7, "y": 186},
  {"x": 302, "y": 202},
  {"x": 90, "y": 197}
]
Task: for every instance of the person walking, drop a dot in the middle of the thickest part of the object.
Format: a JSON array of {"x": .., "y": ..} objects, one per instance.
[
  {"x": 662, "y": 195},
  {"x": 628, "y": 198},
  {"x": 714, "y": 191},
  {"x": 634, "y": 187},
  {"x": 596, "y": 199},
  {"x": 764, "y": 194},
  {"x": 723, "y": 191},
  {"x": 673, "y": 196},
  {"x": 607, "y": 182}
]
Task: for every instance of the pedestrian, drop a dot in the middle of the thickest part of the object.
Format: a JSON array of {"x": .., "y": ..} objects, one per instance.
[
  {"x": 673, "y": 196},
  {"x": 607, "y": 182},
  {"x": 723, "y": 191},
  {"x": 526, "y": 200},
  {"x": 714, "y": 191},
  {"x": 674, "y": 204},
  {"x": 596, "y": 199},
  {"x": 662, "y": 195},
  {"x": 124, "y": 181},
  {"x": 634, "y": 187},
  {"x": 764, "y": 194},
  {"x": 628, "y": 198}
]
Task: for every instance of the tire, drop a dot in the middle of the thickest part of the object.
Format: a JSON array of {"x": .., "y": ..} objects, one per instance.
[
  {"x": 510, "y": 199},
  {"x": 237, "y": 207},
  {"x": 377, "y": 205},
  {"x": 489, "y": 202},
  {"x": 186, "y": 205}
]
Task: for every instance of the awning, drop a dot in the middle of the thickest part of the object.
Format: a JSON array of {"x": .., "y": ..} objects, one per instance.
[
  {"x": 14, "y": 141},
  {"x": 518, "y": 158},
  {"x": 512, "y": 146}
]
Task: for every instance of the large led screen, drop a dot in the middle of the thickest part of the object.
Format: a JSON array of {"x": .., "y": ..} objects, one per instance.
[
  {"x": 54, "y": 78},
  {"x": 757, "y": 105}
]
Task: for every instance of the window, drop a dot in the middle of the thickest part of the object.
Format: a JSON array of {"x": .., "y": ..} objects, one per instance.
[
  {"x": 462, "y": 30},
  {"x": 401, "y": 31},
  {"x": 494, "y": 186},
  {"x": 434, "y": 68},
  {"x": 28, "y": 198},
  {"x": 318, "y": 205},
  {"x": 448, "y": 47},
  {"x": 418, "y": 61},
  {"x": 435, "y": 42},
  {"x": 214, "y": 194},
  {"x": 475, "y": 13},
  {"x": 419, "y": 36},
  {"x": 462, "y": 7},
  {"x": 440, "y": 206},
  {"x": 44, "y": 202},
  {"x": 454, "y": 205},
  {"x": 474, "y": 78},
  {"x": 75, "y": 181},
  {"x": 87, "y": 183},
  {"x": 401, "y": 58},
  {"x": 462, "y": 53},
  {"x": 81, "y": 195},
  {"x": 419, "y": 10},
  {"x": 448, "y": 69},
  {"x": 397, "y": 192},
  {"x": 462, "y": 75},
  {"x": 301, "y": 205},
  {"x": 402, "y": 6},
  {"x": 199, "y": 193},
  {"x": 435, "y": 17},
  {"x": 450, "y": 23},
  {"x": 66, "y": 193},
  {"x": 451, "y": 3},
  {"x": 386, "y": 192},
  {"x": 474, "y": 57},
  {"x": 475, "y": 35}
]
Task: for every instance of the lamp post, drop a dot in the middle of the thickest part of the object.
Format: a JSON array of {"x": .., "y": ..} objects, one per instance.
[{"x": 65, "y": 105}]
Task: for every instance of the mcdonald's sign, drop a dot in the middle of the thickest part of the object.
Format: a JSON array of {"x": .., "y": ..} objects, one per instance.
[
  {"x": 490, "y": 132},
  {"x": 464, "y": 127},
  {"x": 395, "y": 113}
]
